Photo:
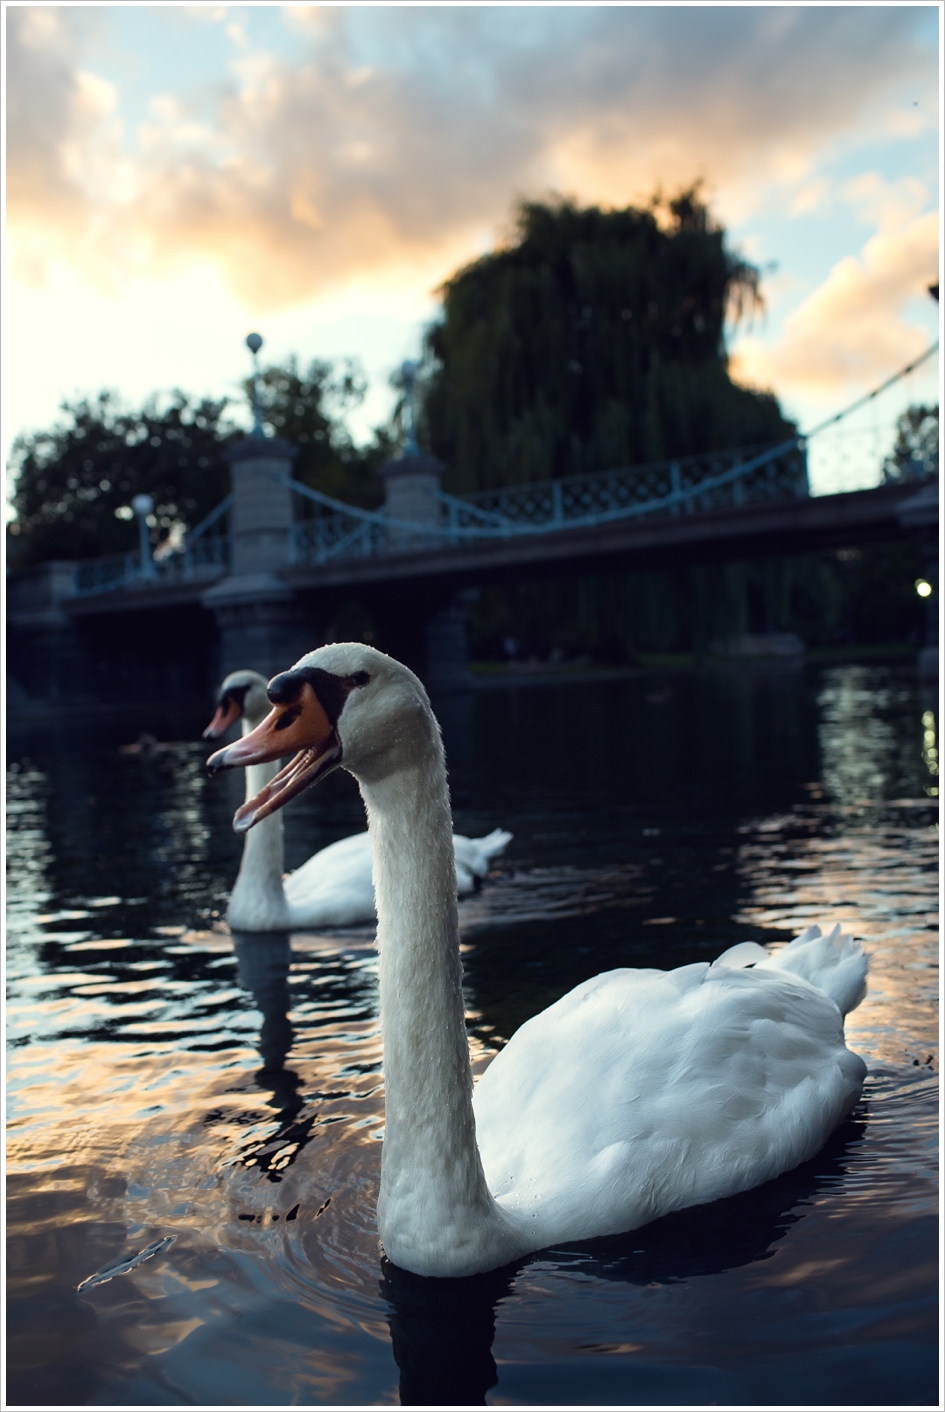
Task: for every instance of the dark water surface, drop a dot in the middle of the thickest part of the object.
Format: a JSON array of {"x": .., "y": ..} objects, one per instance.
[{"x": 657, "y": 820}]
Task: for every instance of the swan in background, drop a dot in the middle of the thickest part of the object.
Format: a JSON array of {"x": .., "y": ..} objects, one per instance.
[
  {"x": 638, "y": 1093},
  {"x": 334, "y": 888}
]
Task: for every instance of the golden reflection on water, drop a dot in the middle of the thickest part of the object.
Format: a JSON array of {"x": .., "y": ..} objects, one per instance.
[
  {"x": 862, "y": 745},
  {"x": 880, "y": 884},
  {"x": 150, "y": 1144},
  {"x": 930, "y": 750},
  {"x": 878, "y": 880}
]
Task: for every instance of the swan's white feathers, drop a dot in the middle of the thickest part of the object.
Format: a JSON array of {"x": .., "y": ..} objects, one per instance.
[
  {"x": 835, "y": 963},
  {"x": 642, "y": 1092},
  {"x": 743, "y": 953},
  {"x": 335, "y": 887}
]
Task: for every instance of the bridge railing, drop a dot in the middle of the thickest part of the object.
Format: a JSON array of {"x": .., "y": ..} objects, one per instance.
[
  {"x": 330, "y": 530},
  {"x": 327, "y": 529},
  {"x": 203, "y": 555},
  {"x": 682, "y": 485}
]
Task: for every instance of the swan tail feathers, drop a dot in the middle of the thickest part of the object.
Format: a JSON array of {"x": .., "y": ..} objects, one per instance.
[
  {"x": 494, "y": 843},
  {"x": 832, "y": 961}
]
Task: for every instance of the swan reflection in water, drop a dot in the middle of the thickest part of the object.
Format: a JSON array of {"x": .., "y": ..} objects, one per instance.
[
  {"x": 264, "y": 959},
  {"x": 442, "y": 1330}
]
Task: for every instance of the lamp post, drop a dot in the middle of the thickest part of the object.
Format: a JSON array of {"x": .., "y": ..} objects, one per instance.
[
  {"x": 142, "y": 506},
  {"x": 254, "y": 343}
]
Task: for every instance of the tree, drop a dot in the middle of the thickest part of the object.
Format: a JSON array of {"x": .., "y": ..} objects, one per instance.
[
  {"x": 596, "y": 340},
  {"x": 915, "y": 453},
  {"x": 309, "y": 409},
  {"x": 74, "y": 482}
]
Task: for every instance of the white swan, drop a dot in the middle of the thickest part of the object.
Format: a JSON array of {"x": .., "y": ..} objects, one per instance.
[
  {"x": 334, "y": 887},
  {"x": 639, "y": 1093}
]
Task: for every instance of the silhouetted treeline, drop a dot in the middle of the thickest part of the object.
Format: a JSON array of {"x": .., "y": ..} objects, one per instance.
[
  {"x": 915, "y": 451},
  {"x": 308, "y": 408},
  {"x": 597, "y": 340},
  {"x": 74, "y": 481}
]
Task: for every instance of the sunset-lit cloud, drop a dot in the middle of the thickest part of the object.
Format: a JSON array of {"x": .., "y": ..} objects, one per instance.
[
  {"x": 302, "y": 173},
  {"x": 178, "y": 173},
  {"x": 853, "y": 330}
]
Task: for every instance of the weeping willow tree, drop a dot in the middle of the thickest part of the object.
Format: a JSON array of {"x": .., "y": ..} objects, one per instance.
[{"x": 595, "y": 340}]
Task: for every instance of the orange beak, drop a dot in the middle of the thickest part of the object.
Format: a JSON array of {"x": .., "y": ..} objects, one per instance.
[
  {"x": 227, "y": 713},
  {"x": 303, "y": 726}
]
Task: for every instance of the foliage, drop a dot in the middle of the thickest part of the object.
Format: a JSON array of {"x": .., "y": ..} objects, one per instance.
[
  {"x": 308, "y": 409},
  {"x": 75, "y": 481},
  {"x": 595, "y": 341},
  {"x": 830, "y": 599},
  {"x": 915, "y": 453}
]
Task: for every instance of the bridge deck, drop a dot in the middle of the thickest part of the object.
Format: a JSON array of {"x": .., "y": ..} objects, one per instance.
[{"x": 737, "y": 532}]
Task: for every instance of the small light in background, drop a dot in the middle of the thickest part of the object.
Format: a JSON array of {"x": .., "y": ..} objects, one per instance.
[{"x": 923, "y": 588}]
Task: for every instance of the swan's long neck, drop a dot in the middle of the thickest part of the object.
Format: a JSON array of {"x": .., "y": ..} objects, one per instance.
[
  {"x": 435, "y": 1213},
  {"x": 258, "y": 902}
]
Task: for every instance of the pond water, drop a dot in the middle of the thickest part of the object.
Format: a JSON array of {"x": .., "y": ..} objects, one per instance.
[{"x": 221, "y": 1097}]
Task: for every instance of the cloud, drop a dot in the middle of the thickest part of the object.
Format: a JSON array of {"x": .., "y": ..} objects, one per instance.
[
  {"x": 53, "y": 115},
  {"x": 394, "y": 135},
  {"x": 886, "y": 205},
  {"x": 851, "y": 331}
]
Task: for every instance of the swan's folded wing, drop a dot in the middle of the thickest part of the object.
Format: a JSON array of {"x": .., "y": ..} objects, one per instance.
[
  {"x": 744, "y": 953},
  {"x": 335, "y": 887},
  {"x": 642, "y": 1092}
]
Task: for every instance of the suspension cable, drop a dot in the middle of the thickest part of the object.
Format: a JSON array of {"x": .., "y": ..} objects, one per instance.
[{"x": 861, "y": 402}]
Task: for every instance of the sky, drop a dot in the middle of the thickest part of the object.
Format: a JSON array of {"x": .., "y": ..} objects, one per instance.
[{"x": 180, "y": 175}]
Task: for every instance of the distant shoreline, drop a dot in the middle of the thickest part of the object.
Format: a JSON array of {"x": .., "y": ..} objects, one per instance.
[{"x": 486, "y": 676}]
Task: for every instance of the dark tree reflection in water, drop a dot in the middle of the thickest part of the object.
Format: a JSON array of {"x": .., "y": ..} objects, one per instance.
[{"x": 167, "y": 1079}]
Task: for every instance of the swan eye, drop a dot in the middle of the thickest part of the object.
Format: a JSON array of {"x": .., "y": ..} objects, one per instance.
[
  {"x": 360, "y": 678},
  {"x": 287, "y": 717},
  {"x": 236, "y": 695}
]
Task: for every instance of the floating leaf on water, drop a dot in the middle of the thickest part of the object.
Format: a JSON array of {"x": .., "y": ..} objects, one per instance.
[{"x": 129, "y": 1263}]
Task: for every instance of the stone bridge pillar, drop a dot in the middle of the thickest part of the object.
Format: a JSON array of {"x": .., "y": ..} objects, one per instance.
[
  {"x": 410, "y": 487},
  {"x": 410, "y": 493},
  {"x": 447, "y": 648},
  {"x": 259, "y": 619},
  {"x": 47, "y": 660}
]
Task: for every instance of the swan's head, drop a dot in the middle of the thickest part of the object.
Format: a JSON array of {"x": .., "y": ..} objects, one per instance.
[
  {"x": 243, "y": 694},
  {"x": 345, "y": 704}
]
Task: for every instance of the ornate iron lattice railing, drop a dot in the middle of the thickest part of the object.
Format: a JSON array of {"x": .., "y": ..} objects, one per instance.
[
  {"x": 205, "y": 554},
  {"x": 676, "y": 486},
  {"x": 333, "y": 531}
]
